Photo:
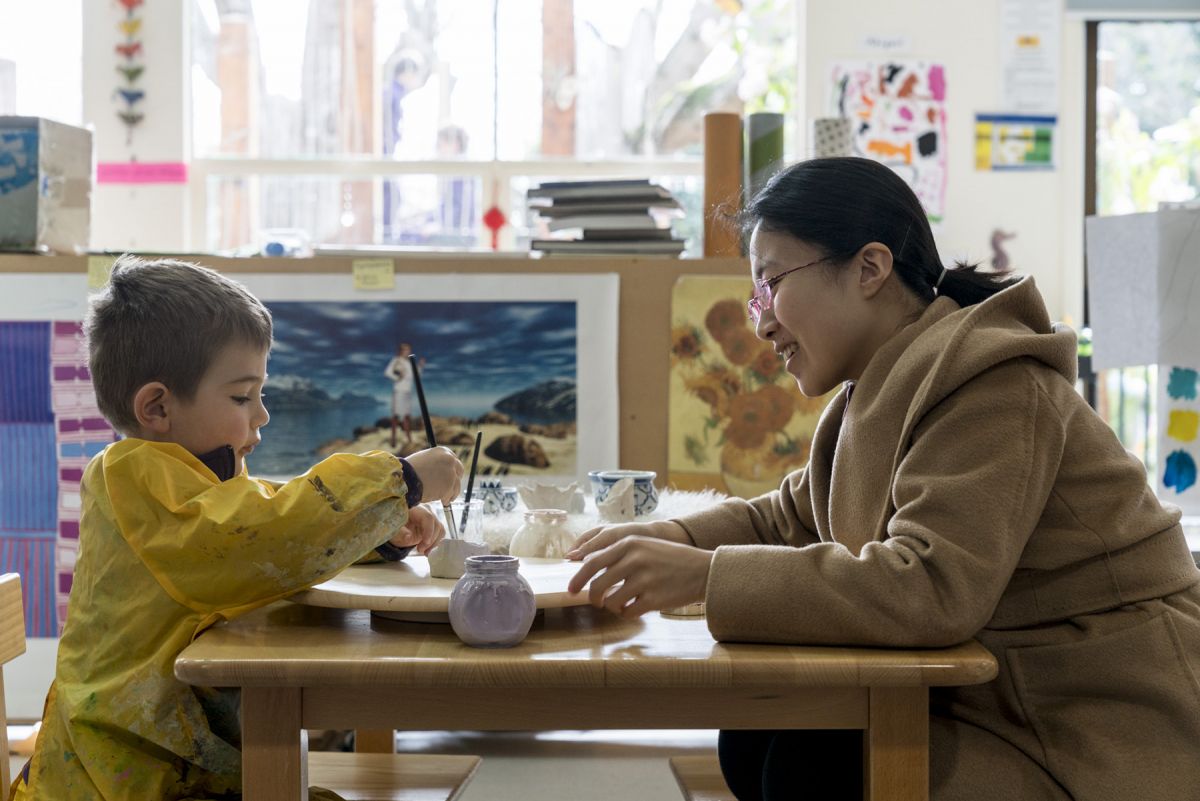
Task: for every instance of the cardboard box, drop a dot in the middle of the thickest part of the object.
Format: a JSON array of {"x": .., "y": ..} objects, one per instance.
[{"x": 45, "y": 185}]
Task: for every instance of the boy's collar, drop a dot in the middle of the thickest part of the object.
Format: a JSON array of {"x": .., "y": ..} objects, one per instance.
[{"x": 222, "y": 461}]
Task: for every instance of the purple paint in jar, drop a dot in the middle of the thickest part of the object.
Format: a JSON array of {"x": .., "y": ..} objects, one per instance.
[{"x": 492, "y": 605}]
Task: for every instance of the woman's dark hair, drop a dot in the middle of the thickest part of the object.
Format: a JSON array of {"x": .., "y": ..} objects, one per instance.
[{"x": 841, "y": 204}]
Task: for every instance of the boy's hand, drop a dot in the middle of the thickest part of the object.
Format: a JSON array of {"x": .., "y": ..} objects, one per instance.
[
  {"x": 440, "y": 472},
  {"x": 423, "y": 531}
]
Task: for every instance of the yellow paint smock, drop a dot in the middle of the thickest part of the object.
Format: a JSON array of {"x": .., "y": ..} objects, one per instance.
[{"x": 167, "y": 550}]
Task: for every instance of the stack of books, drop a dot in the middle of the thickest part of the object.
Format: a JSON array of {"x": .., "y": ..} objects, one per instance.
[{"x": 606, "y": 217}]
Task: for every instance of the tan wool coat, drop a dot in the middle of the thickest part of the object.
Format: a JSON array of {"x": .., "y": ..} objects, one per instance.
[{"x": 962, "y": 488}]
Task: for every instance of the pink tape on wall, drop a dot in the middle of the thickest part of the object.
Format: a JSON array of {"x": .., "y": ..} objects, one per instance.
[{"x": 141, "y": 172}]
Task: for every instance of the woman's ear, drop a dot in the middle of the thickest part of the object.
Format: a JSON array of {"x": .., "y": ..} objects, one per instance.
[
  {"x": 150, "y": 408},
  {"x": 875, "y": 265}
]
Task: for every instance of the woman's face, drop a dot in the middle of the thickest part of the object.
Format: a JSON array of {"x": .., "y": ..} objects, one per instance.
[{"x": 817, "y": 322}]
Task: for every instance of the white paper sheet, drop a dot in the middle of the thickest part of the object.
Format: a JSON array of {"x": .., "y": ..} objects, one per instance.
[
  {"x": 1144, "y": 288},
  {"x": 1029, "y": 60}
]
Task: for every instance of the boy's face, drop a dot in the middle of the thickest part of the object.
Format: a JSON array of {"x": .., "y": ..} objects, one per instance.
[{"x": 228, "y": 406}]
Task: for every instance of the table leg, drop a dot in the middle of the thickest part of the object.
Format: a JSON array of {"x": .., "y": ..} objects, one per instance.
[
  {"x": 274, "y": 761},
  {"x": 896, "y": 745}
]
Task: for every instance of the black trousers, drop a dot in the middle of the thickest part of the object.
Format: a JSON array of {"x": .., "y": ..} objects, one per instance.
[{"x": 793, "y": 764}]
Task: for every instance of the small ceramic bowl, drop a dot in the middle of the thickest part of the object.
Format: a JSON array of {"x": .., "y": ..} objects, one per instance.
[
  {"x": 496, "y": 498},
  {"x": 645, "y": 495}
]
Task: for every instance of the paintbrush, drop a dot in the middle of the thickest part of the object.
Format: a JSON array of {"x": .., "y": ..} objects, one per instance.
[
  {"x": 462, "y": 524},
  {"x": 451, "y": 529}
]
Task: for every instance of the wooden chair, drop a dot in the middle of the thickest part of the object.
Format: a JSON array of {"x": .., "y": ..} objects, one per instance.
[
  {"x": 12, "y": 645},
  {"x": 700, "y": 778},
  {"x": 356, "y": 777}
]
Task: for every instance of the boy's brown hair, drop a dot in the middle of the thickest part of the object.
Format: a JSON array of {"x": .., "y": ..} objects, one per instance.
[{"x": 164, "y": 320}]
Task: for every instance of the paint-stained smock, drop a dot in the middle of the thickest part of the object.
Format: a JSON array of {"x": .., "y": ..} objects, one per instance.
[{"x": 167, "y": 550}]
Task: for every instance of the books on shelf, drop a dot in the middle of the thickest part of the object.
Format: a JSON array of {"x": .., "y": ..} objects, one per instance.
[
  {"x": 620, "y": 216},
  {"x": 669, "y": 247},
  {"x": 600, "y": 221}
]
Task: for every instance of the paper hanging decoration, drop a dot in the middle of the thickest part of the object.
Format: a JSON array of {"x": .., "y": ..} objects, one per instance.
[{"x": 128, "y": 52}]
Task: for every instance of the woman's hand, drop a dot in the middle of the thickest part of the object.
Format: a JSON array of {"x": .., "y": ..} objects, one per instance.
[
  {"x": 601, "y": 537},
  {"x": 638, "y": 574},
  {"x": 423, "y": 531},
  {"x": 440, "y": 472}
]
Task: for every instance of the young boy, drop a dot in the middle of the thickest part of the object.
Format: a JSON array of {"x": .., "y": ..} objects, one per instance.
[{"x": 175, "y": 536}]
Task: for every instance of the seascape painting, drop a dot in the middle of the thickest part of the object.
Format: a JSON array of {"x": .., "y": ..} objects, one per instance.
[{"x": 506, "y": 368}]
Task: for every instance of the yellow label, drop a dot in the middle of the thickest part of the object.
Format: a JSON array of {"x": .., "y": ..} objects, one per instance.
[
  {"x": 98, "y": 269},
  {"x": 370, "y": 274},
  {"x": 1183, "y": 425}
]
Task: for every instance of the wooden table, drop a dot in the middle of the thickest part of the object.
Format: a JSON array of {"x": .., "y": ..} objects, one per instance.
[{"x": 304, "y": 667}]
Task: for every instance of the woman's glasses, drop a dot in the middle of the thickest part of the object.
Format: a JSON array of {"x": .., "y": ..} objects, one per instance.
[{"x": 764, "y": 290}]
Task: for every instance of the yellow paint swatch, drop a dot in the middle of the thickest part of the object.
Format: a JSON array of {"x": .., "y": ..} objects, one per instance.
[
  {"x": 98, "y": 269},
  {"x": 374, "y": 274},
  {"x": 1183, "y": 425}
]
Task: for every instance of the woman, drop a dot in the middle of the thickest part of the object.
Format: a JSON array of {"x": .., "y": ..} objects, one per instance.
[{"x": 958, "y": 487}]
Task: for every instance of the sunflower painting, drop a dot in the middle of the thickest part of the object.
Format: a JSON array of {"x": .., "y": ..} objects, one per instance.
[{"x": 737, "y": 421}]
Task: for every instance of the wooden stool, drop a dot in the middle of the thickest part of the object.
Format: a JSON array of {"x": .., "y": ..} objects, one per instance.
[
  {"x": 391, "y": 777},
  {"x": 12, "y": 645},
  {"x": 700, "y": 778}
]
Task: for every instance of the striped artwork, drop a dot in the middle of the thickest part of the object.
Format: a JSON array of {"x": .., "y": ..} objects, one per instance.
[
  {"x": 28, "y": 492},
  {"x": 49, "y": 429},
  {"x": 80, "y": 433}
]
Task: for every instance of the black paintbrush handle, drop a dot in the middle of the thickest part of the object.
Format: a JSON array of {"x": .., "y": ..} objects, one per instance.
[
  {"x": 462, "y": 526},
  {"x": 412, "y": 359}
]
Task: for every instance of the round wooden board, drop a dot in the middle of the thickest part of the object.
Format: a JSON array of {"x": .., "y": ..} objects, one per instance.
[{"x": 406, "y": 586}]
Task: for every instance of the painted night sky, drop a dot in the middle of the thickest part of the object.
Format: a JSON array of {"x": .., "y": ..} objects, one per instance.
[{"x": 475, "y": 352}]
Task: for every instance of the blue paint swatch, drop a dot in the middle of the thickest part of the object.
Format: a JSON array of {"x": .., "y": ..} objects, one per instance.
[
  {"x": 1181, "y": 471},
  {"x": 28, "y": 480},
  {"x": 25, "y": 373},
  {"x": 1182, "y": 384}
]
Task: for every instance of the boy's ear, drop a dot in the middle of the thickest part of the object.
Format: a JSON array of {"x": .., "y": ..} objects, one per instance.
[
  {"x": 875, "y": 265},
  {"x": 150, "y": 407}
]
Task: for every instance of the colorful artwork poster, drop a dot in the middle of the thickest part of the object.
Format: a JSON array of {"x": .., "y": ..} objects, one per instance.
[
  {"x": 899, "y": 113},
  {"x": 49, "y": 429},
  {"x": 1014, "y": 142},
  {"x": 507, "y": 369},
  {"x": 1179, "y": 437},
  {"x": 737, "y": 421}
]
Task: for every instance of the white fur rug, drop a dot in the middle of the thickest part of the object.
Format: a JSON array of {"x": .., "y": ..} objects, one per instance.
[{"x": 498, "y": 529}]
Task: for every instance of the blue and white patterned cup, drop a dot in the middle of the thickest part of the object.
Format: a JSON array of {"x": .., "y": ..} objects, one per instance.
[{"x": 645, "y": 495}]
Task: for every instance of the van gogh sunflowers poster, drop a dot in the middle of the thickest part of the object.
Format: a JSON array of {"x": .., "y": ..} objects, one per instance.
[{"x": 738, "y": 423}]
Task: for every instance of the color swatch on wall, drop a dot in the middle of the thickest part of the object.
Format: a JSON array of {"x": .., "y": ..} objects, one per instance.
[
  {"x": 1179, "y": 437},
  {"x": 1014, "y": 142},
  {"x": 898, "y": 110}
]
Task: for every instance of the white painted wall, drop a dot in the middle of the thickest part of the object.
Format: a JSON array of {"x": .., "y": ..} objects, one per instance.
[
  {"x": 1045, "y": 209},
  {"x": 126, "y": 217}
]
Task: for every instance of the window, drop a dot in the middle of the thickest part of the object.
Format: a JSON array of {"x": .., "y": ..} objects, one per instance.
[
  {"x": 1147, "y": 110},
  {"x": 37, "y": 80},
  {"x": 365, "y": 122}
]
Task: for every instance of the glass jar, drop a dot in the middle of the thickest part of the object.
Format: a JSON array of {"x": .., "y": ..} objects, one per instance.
[
  {"x": 543, "y": 535},
  {"x": 492, "y": 605}
]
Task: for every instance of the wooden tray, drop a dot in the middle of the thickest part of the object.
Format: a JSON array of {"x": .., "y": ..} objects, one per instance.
[{"x": 404, "y": 590}]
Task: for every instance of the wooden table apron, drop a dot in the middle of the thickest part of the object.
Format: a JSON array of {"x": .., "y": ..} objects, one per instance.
[{"x": 304, "y": 667}]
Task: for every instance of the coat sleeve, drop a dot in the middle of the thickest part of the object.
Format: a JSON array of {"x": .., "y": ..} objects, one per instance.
[
  {"x": 967, "y": 496},
  {"x": 781, "y": 517},
  {"x": 220, "y": 546}
]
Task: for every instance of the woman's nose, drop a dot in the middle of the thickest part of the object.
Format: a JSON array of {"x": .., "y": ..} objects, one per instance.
[{"x": 766, "y": 326}]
